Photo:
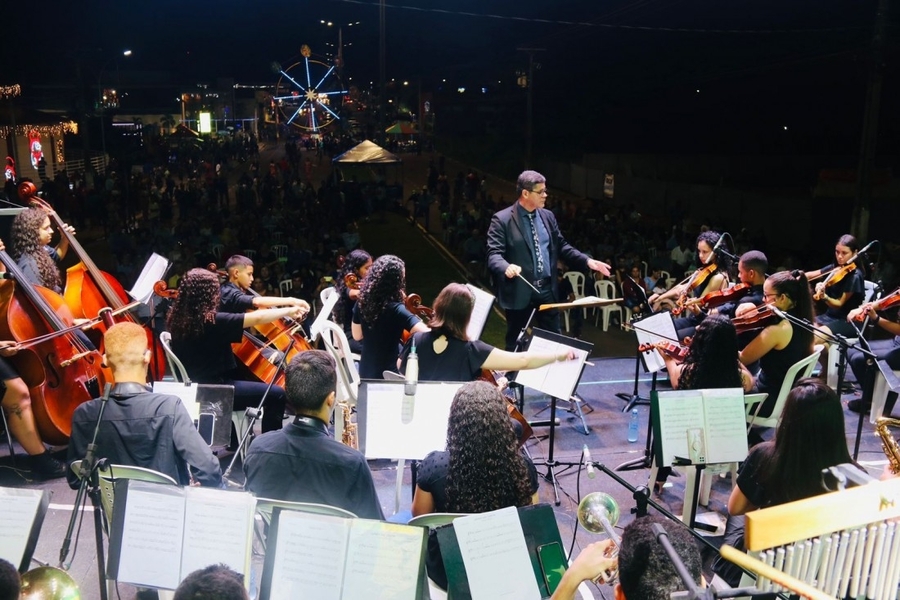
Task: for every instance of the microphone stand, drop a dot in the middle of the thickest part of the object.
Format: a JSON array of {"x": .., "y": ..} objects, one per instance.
[
  {"x": 88, "y": 472},
  {"x": 254, "y": 414}
]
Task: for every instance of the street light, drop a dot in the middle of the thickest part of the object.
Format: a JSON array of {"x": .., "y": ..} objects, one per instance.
[{"x": 101, "y": 98}]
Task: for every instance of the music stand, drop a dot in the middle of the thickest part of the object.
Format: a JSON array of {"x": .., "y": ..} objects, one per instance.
[{"x": 557, "y": 380}]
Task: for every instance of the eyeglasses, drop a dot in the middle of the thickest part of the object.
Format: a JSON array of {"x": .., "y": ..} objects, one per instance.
[
  {"x": 767, "y": 296},
  {"x": 539, "y": 192}
]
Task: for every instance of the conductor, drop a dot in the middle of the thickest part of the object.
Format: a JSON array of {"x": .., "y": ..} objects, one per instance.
[{"x": 524, "y": 244}]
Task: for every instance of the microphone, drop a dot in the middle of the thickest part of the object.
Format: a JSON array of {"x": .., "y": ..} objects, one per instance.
[
  {"x": 407, "y": 407},
  {"x": 721, "y": 241},
  {"x": 778, "y": 311},
  {"x": 867, "y": 247},
  {"x": 586, "y": 454}
]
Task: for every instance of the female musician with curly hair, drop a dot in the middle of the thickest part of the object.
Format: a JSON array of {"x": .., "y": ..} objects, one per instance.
[
  {"x": 481, "y": 470},
  {"x": 809, "y": 438},
  {"x": 356, "y": 264},
  {"x": 781, "y": 343},
  {"x": 202, "y": 338},
  {"x": 380, "y": 318},
  {"x": 447, "y": 354},
  {"x": 31, "y": 233},
  {"x": 712, "y": 359}
]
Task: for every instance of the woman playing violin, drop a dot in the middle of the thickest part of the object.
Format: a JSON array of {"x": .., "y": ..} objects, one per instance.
[
  {"x": 780, "y": 344},
  {"x": 351, "y": 274},
  {"x": 380, "y": 317},
  {"x": 447, "y": 354},
  {"x": 202, "y": 338},
  {"x": 695, "y": 286},
  {"x": 887, "y": 350},
  {"x": 31, "y": 234},
  {"x": 841, "y": 290}
]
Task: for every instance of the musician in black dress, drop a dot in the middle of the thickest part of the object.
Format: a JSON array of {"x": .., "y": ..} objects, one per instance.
[
  {"x": 840, "y": 294},
  {"x": 351, "y": 275}
]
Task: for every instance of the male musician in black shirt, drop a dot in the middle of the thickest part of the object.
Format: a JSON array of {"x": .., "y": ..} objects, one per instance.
[{"x": 235, "y": 297}]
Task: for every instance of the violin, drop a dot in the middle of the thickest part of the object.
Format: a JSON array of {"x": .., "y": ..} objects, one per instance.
[
  {"x": 762, "y": 317},
  {"x": 351, "y": 281},
  {"x": 697, "y": 279},
  {"x": 493, "y": 378},
  {"x": 720, "y": 297},
  {"x": 835, "y": 276},
  {"x": 413, "y": 303},
  {"x": 676, "y": 351},
  {"x": 889, "y": 301}
]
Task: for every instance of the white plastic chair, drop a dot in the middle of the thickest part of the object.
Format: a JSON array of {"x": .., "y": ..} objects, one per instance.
[
  {"x": 605, "y": 289},
  {"x": 336, "y": 344},
  {"x": 285, "y": 286},
  {"x": 879, "y": 396},
  {"x": 800, "y": 369},
  {"x": 249, "y": 252},
  {"x": 576, "y": 278},
  {"x": 217, "y": 250},
  {"x": 280, "y": 251},
  {"x": 832, "y": 366}
]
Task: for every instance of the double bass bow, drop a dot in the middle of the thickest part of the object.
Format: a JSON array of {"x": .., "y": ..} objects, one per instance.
[
  {"x": 88, "y": 289},
  {"x": 61, "y": 371}
]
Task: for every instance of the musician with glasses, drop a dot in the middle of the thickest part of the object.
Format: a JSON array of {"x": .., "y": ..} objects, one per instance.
[{"x": 524, "y": 244}]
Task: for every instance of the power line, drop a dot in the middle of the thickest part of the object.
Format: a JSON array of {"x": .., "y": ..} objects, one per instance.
[{"x": 601, "y": 25}]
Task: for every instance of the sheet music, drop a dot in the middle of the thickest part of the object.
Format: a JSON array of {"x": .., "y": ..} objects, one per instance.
[
  {"x": 186, "y": 392},
  {"x": 309, "y": 557},
  {"x": 491, "y": 544},
  {"x": 726, "y": 425},
  {"x": 558, "y": 379},
  {"x": 218, "y": 526},
  {"x": 383, "y": 561},
  {"x": 152, "y": 535},
  {"x": 20, "y": 507},
  {"x": 387, "y": 435},
  {"x": 655, "y": 328},
  {"x": 480, "y": 312},
  {"x": 154, "y": 270},
  {"x": 679, "y": 411}
]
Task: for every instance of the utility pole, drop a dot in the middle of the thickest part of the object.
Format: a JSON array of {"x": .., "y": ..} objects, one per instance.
[
  {"x": 529, "y": 108},
  {"x": 859, "y": 225},
  {"x": 382, "y": 58}
]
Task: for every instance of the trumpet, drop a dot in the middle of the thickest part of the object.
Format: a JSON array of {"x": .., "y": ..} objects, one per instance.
[
  {"x": 598, "y": 513},
  {"x": 49, "y": 583}
]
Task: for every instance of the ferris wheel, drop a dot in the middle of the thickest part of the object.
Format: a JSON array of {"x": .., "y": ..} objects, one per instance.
[{"x": 308, "y": 93}]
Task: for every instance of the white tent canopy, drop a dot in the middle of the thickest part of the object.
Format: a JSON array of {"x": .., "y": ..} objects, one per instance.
[{"x": 367, "y": 153}]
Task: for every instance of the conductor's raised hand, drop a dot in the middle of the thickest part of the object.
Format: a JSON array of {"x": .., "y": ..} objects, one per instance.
[{"x": 599, "y": 266}]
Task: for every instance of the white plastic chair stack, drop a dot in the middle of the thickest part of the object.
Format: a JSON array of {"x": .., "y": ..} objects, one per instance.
[{"x": 606, "y": 290}]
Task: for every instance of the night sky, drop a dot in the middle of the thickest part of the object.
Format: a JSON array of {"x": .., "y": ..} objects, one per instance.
[{"x": 625, "y": 71}]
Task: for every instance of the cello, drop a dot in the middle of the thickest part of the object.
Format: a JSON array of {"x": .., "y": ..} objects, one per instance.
[
  {"x": 88, "y": 289},
  {"x": 61, "y": 372}
]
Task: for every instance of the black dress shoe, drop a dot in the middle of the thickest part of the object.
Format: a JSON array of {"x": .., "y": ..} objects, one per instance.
[
  {"x": 858, "y": 406},
  {"x": 44, "y": 466}
]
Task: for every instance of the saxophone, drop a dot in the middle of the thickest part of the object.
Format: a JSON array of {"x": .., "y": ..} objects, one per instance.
[
  {"x": 348, "y": 434},
  {"x": 888, "y": 443}
]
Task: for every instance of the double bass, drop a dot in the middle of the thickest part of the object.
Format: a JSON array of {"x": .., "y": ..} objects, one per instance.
[
  {"x": 88, "y": 289},
  {"x": 61, "y": 372}
]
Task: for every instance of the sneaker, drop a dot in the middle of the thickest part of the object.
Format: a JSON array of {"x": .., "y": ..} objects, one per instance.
[
  {"x": 858, "y": 406},
  {"x": 44, "y": 466}
]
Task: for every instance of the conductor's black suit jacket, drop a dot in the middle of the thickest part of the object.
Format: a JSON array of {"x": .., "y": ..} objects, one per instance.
[{"x": 509, "y": 241}]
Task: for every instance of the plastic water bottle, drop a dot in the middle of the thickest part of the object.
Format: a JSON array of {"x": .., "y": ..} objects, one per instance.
[{"x": 633, "y": 425}]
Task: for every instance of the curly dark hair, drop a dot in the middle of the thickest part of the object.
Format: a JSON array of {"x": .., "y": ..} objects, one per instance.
[
  {"x": 354, "y": 261},
  {"x": 712, "y": 361},
  {"x": 198, "y": 298},
  {"x": 384, "y": 283},
  {"x": 486, "y": 471},
  {"x": 26, "y": 241}
]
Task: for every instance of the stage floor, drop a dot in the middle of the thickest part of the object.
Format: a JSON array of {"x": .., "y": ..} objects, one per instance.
[{"x": 607, "y": 440}]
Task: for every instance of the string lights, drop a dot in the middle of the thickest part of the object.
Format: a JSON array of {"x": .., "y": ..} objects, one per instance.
[
  {"x": 45, "y": 130},
  {"x": 10, "y": 91}
]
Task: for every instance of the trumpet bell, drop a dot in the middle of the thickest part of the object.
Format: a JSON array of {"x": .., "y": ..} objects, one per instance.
[
  {"x": 596, "y": 507},
  {"x": 49, "y": 583}
]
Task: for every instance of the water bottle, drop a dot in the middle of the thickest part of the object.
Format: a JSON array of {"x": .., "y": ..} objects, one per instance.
[{"x": 633, "y": 425}]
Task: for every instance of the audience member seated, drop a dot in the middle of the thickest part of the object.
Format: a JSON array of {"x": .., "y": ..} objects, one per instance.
[
  {"x": 140, "y": 428},
  {"x": 10, "y": 582},
  {"x": 645, "y": 570},
  {"x": 302, "y": 462}
]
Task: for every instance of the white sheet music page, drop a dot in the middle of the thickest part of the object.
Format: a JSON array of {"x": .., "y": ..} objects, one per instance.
[
  {"x": 652, "y": 329},
  {"x": 383, "y": 561},
  {"x": 187, "y": 394},
  {"x": 16, "y": 518},
  {"x": 679, "y": 411},
  {"x": 558, "y": 379},
  {"x": 480, "y": 312},
  {"x": 154, "y": 270},
  {"x": 496, "y": 557},
  {"x": 391, "y": 433},
  {"x": 152, "y": 535},
  {"x": 218, "y": 528},
  {"x": 309, "y": 557},
  {"x": 726, "y": 425}
]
